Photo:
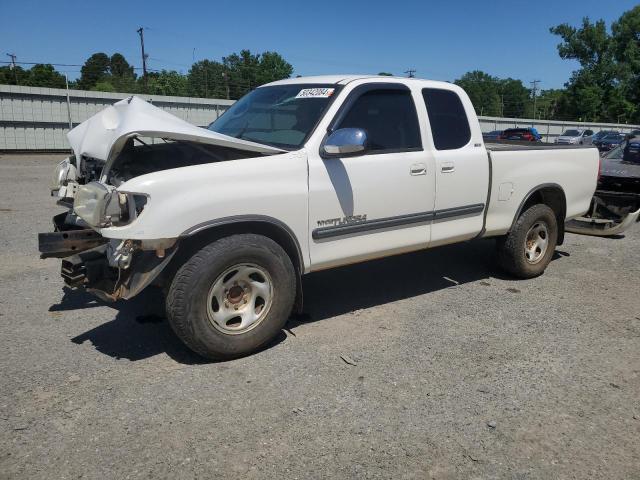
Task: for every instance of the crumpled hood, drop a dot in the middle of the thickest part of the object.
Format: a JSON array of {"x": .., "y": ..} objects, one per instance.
[{"x": 106, "y": 131}]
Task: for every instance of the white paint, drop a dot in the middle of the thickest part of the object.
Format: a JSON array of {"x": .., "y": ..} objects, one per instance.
[{"x": 300, "y": 188}]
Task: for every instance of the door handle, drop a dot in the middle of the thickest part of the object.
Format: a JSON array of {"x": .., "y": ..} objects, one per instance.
[
  {"x": 418, "y": 169},
  {"x": 448, "y": 167}
]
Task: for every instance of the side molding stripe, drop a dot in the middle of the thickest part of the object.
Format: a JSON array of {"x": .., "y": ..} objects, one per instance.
[{"x": 398, "y": 221}]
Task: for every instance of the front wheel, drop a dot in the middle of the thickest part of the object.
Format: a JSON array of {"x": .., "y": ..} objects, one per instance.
[
  {"x": 527, "y": 249},
  {"x": 232, "y": 297}
]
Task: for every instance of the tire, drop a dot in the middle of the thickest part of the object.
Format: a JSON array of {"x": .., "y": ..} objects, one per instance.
[
  {"x": 535, "y": 223},
  {"x": 205, "y": 291}
]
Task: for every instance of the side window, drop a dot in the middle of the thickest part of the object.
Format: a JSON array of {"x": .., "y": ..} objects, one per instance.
[
  {"x": 449, "y": 122},
  {"x": 388, "y": 116},
  {"x": 588, "y": 133}
]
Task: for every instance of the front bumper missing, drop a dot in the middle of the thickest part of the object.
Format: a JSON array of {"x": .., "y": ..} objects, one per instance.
[
  {"x": 110, "y": 271},
  {"x": 67, "y": 239},
  {"x": 91, "y": 270}
]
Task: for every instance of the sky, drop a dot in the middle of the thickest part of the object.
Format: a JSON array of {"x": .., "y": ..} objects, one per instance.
[{"x": 440, "y": 40}]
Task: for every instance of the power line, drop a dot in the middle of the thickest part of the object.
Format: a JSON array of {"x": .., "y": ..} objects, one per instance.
[{"x": 411, "y": 72}]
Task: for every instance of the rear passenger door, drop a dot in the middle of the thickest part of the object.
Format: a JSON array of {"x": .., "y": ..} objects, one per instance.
[{"x": 461, "y": 167}]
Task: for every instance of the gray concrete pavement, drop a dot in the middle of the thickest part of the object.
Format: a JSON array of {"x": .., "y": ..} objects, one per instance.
[{"x": 460, "y": 371}]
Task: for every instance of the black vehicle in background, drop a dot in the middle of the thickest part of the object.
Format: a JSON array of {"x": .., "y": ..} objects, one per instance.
[
  {"x": 616, "y": 203},
  {"x": 601, "y": 134},
  {"x": 521, "y": 134},
  {"x": 609, "y": 142}
]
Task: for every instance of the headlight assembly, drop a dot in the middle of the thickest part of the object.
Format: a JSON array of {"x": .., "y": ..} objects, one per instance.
[
  {"x": 64, "y": 172},
  {"x": 102, "y": 205}
]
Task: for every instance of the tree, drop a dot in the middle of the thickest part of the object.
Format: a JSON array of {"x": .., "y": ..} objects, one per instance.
[
  {"x": 44, "y": 75},
  {"x": 242, "y": 71},
  {"x": 13, "y": 76},
  {"x": 206, "y": 79},
  {"x": 385, "y": 74},
  {"x": 104, "y": 85},
  {"x": 272, "y": 67},
  {"x": 168, "y": 82},
  {"x": 626, "y": 51},
  {"x": 514, "y": 97},
  {"x": 121, "y": 74},
  {"x": 606, "y": 87},
  {"x": 484, "y": 91},
  {"x": 237, "y": 74},
  {"x": 94, "y": 69},
  {"x": 119, "y": 67}
]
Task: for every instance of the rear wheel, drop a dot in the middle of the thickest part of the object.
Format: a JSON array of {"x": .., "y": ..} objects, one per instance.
[
  {"x": 232, "y": 297},
  {"x": 527, "y": 249}
]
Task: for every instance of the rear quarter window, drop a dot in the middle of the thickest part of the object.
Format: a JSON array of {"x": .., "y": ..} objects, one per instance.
[{"x": 448, "y": 119}]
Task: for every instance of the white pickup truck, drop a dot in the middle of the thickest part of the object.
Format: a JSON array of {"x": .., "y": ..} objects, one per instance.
[{"x": 299, "y": 175}]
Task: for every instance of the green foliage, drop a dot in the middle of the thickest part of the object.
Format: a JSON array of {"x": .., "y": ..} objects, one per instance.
[
  {"x": 607, "y": 85},
  {"x": 484, "y": 91},
  {"x": 40, "y": 75},
  {"x": 44, "y": 75},
  {"x": 237, "y": 74},
  {"x": 168, "y": 82},
  {"x": 385, "y": 74},
  {"x": 94, "y": 69},
  {"x": 103, "y": 86}
]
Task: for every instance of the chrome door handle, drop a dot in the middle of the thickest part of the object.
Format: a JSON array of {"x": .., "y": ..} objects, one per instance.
[
  {"x": 418, "y": 169},
  {"x": 448, "y": 167}
]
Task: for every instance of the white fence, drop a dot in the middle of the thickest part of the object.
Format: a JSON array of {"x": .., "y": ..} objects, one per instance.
[
  {"x": 38, "y": 118},
  {"x": 549, "y": 129}
]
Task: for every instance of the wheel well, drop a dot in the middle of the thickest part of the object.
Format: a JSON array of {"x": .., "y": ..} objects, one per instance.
[
  {"x": 553, "y": 196},
  {"x": 280, "y": 234}
]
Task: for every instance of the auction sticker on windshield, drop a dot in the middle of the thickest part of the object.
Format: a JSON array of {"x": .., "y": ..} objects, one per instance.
[{"x": 315, "y": 93}]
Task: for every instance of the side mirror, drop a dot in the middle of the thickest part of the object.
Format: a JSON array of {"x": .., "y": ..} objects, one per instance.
[{"x": 345, "y": 142}]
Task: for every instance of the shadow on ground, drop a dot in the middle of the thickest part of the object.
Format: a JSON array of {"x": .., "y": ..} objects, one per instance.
[{"x": 140, "y": 329}]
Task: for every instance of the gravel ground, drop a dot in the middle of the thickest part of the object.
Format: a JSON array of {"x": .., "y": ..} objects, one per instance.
[{"x": 452, "y": 369}]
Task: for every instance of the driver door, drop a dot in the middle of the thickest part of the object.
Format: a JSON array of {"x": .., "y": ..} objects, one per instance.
[{"x": 379, "y": 202}]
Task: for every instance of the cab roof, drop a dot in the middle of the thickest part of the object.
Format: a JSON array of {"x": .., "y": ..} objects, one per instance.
[{"x": 344, "y": 79}]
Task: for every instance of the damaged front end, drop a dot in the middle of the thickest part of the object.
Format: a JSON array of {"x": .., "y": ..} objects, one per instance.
[
  {"x": 109, "y": 268},
  {"x": 615, "y": 206},
  {"x": 129, "y": 139}
]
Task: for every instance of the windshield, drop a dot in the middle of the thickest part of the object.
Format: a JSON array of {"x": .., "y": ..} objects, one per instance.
[
  {"x": 571, "y": 133},
  {"x": 282, "y": 116}
]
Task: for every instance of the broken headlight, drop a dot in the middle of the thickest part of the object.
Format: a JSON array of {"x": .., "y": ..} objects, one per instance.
[
  {"x": 102, "y": 205},
  {"x": 64, "y": 172}
]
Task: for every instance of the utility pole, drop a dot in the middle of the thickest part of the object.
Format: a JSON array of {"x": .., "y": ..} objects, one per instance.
[
  {"x": 411, "y": 72},
  {"x": 13, "y": 65},
  {"x": 226, "y": 83},
  {"x": 66, "y": 82},
  {"x": 144, "y": 58},
  {"x": 534, "y": 88}
]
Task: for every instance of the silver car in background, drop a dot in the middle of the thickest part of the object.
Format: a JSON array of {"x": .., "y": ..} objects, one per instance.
[{"x": 575, "y": 137}]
